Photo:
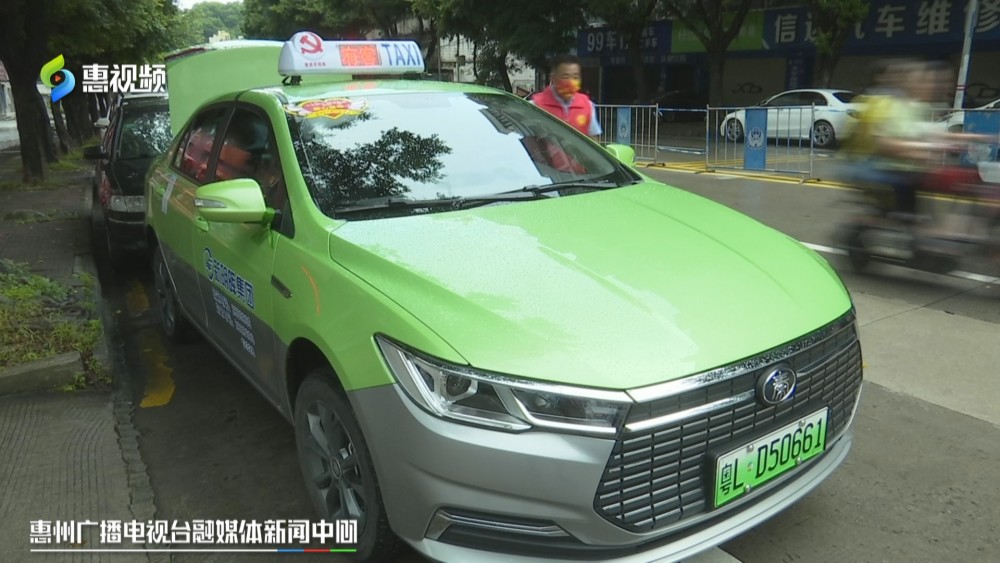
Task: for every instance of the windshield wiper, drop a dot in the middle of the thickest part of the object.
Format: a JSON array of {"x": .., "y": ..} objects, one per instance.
[
  {"x": 572, "y": 184},
  {"x": 453, "y": 202}
]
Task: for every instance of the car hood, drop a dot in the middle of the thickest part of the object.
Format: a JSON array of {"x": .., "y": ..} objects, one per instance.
[{"x": 615, "y": 289}]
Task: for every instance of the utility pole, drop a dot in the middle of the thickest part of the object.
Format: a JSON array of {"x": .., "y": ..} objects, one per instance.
[{"x": 971, "y": 20}]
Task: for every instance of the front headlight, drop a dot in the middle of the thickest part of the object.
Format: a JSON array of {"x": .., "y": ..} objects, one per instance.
[
  {"x": 127, "y": 203},
  {"x": 501, "y": 402}
]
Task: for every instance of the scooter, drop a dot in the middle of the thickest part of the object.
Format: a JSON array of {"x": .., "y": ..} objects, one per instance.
[{"x": 876, "y": 234}]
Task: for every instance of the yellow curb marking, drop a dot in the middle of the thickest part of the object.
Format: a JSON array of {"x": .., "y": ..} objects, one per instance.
[
  {"x": 136, "y": 299},
  {"x": 160, "y": 381}
]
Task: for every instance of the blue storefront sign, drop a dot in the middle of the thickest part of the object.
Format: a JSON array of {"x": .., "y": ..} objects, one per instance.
[
  {"x": 755, "y": 139},
  {"x": 891, "y": 26},
  {"x": 889, "y": 23},
  {"x": 623, "y": 126},
  {"x": 612, "y": 47},
  {"x": 982, "y": 123}
]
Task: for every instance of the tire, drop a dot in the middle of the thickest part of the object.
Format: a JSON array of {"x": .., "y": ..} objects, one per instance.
[
  {"x": 857, "y": 254},
  {"x": 734, "y": 130},
  {"x": 116, "y": 254},
  {"x": 326, "y": 431},
  {"x": 175, "y": 325},
  {"x": 823, "y": 135}
]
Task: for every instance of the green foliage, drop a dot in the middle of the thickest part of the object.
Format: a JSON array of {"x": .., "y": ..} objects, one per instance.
[
  {"x": 530, "y": 30},
  {"x": 196, "y": 25},
  {"x": 345, "y": 19},
  {"x": 112, "y": 31},
  {"x": 833, "y": 20},
  {"x": 40, "y": 317}
]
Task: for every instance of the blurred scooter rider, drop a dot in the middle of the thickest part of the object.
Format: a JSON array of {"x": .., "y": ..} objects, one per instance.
[
  {"x": 905, "y": 138},
  {"x": 563, "y": 99},
  {"x": 861, "y": 169}
]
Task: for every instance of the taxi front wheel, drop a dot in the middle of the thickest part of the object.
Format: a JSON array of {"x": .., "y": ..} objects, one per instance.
[
  {"x": 338, "y": 471},
  {"x": 175, "y": 325}
]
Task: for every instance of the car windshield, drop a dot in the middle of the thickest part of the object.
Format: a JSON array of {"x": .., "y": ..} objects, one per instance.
[
  {"x": 420, "y": 146},
  {"x": 145, "y": 133},
  {"x": 846, "y": 97}
]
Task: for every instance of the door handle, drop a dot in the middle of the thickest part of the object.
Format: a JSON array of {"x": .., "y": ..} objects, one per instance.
[{"x": 202, "y": 223}]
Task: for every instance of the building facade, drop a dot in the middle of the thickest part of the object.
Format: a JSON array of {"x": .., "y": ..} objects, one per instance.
[{"x": 776, "y": 50}]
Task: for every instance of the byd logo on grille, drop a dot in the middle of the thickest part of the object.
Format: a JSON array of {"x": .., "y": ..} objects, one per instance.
[{"x": 776, "y": 385}]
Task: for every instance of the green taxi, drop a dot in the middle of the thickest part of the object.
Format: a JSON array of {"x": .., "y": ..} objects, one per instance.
[{"x": 496, "y": 339}]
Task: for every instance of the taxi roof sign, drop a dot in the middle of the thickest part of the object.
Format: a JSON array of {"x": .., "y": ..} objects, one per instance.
[{"x": 307, "y": 53}]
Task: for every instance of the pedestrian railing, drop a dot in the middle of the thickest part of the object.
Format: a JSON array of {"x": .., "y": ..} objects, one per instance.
[
  {"x": 772, "y": 139},
  {"x": 636, "y": 126}
]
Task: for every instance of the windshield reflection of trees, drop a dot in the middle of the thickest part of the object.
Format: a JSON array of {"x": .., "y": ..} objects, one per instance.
[
  {"x": 146, "y": 135},
  {"x": 365, "y": 171}
]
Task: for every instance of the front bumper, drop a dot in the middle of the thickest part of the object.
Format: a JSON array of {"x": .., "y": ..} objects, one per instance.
[
  {"x": 536, "y": 488},
  {"x": 127, "y": 230}
]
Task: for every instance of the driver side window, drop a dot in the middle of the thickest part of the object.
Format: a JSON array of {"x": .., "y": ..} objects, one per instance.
[{"x": 249, "y": 151}]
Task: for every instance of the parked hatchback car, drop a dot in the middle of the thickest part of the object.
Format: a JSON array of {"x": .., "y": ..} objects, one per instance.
[
  {"x": 790, "y": 115},
  {"x": 138, "y": 131},
  {"x": 495, "y": 339}
]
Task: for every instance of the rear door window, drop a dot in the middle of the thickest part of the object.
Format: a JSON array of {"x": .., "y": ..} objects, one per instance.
[{"x": 196, "y": 152}]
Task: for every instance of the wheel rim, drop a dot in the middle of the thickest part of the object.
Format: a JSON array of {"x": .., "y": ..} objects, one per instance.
[
  {"x": 164, "y": 293},
  {"x": 822, "y": 133},
  {"x": 331, "y": 463},
  {"x": 734, "y": 130}
]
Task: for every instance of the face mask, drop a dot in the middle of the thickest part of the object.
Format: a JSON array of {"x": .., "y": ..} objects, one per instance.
[{"x": 567, "y": 87}]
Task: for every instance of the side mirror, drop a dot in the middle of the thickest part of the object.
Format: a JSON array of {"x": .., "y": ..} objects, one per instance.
[
  {"x": 232, "y": 201},
  {"x": 95, "y": 152},
  {"x": 624, "y": 153}
]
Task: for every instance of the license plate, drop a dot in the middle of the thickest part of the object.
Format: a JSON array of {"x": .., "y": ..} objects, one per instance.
[{"x": 751, "y": 465}]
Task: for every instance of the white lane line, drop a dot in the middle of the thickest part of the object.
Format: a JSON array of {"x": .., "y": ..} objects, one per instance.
[
  {"x": 825, "y": 249},
  {"x": 713, "y": 556},
  {"x": 981, "y": 278}
]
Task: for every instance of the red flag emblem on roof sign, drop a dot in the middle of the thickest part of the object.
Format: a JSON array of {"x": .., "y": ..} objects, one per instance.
[{"x": 310, "y": 44}]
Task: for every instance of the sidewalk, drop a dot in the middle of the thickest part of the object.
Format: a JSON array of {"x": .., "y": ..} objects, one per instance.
[{"x": 64, "y": 456}]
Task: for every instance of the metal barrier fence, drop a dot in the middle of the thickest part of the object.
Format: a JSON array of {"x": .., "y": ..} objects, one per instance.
[
  {"x": 771, "y": 139},
  {"x": 796, "y": 140},
  {"x": 636, "y": 126}
]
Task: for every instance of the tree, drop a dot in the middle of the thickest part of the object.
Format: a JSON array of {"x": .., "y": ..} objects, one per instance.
[
  {"x": 208, "y": 18},
  {"x": 832, "y": 21},
  {"x": 24, "y": 29},
  {"x": 715, "y": 23},
  {"x": 32, "y": 32},
  {"x": 531, "y": 30},
  {"x": 629, "y": 18},
  {"x": 332, "y": 19}
]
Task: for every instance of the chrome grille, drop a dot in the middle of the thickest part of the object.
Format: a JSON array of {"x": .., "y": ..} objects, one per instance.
[{"x": 657, "y": 476}]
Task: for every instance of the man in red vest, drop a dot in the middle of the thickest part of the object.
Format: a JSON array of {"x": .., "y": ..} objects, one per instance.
[{"x": 563, "y": 99}]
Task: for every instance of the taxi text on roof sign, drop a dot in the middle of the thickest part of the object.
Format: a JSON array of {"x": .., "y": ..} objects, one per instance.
[{"x": 307, "y": 53}]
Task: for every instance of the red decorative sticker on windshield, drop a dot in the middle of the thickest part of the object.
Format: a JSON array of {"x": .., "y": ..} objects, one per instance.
[{"x": 333, "y": 108}]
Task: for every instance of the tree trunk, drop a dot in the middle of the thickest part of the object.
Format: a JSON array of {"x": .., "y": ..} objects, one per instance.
[
  {"x": 502, "y": 70},
  {"x": 45, "y": 127},
  {"x": 92, "y": 107},
  {"x": 77, "y": 117},
  {"x": 825, "y": 66},
  {"x": 432, "y": 47},
  {"x": 33, "y": 161},
  {"x": 638, "y": 67},
  {"x": 65, "y": 142},
  {"x": 716, "y": 67}
]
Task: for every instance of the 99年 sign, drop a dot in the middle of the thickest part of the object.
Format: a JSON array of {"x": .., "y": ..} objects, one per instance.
[{"x": 751, "y": 465}]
